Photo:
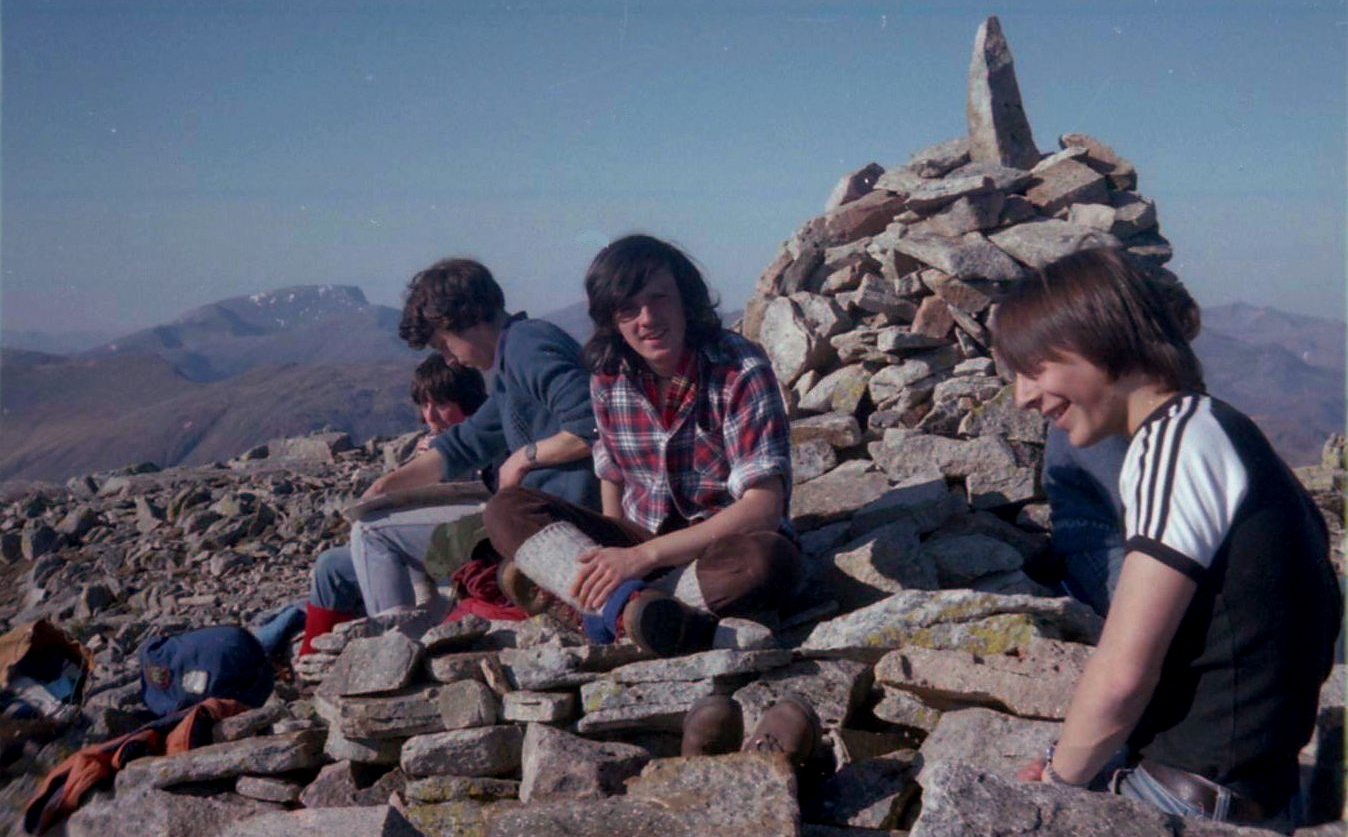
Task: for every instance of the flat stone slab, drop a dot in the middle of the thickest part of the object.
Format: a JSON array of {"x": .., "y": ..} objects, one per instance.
[
  {"x": 936, "y": 618},
  {"x": 559, "y": 765},
  {"x": 1041, "y": 242},
  {"x": 840, "y": 430},
  {"x": 960, "y": 800},
  {"x": 881, "y": 563},
  {"x": 991, "y": 741},
  {"x": 412, "y": 712},
  {"x": 616, "y": 707},
  {"x": 254, "y": 756},
  {"x": 970, "y": 256},
  {"x": 701, "y": 666},
  {"x": 740, "y": 794},
  {"x": 836, "y": 494},
  {"x": 872, "y": 794},
  {"x": 467, "y": 704},
  {"x": 378, "y": 821},
  {"x": 433, "y": 790},
  {"x": 456, "y": 635},
  {"x": 1037, "y": 682},
  {"x": 834, "y": 688},
  {"x": 906, "y": 709},
  {"x": 373, "y": 665},
  {"x": 147, "y": 812},
  {"x": 541, "y": 707},
  {"x": 269, "y": 788},
  {"x": 960, "y": 560},
  {"x": 461, "y": 665},
  {"x": 545, "y": 668},
  {"x": 483, "y": 751}
]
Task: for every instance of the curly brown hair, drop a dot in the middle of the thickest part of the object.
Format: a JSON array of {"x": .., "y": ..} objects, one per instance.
[{"x": 453, "y": 294}]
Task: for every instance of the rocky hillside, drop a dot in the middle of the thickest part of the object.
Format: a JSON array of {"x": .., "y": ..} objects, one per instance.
[{"x": 940, "y": 665}]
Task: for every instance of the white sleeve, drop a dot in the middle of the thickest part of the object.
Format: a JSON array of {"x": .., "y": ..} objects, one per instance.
[{"x": 1181, "y": 486}]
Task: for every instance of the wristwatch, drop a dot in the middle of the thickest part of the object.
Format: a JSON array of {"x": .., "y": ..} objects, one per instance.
[
  {"x": 1050, "y": 775},
  {"x": 531, "y": 453}
]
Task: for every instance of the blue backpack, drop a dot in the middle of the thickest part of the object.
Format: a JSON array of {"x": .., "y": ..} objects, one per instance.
[{"x": 181, "y": 670}]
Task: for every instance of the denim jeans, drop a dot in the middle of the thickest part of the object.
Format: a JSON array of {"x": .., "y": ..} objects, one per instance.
[
  {"x": 333, "y": 585},
  {"x": 1091, "y": 575},
  {"x": 387, "y": 552},
  {"x": 1141, "y": 785}
]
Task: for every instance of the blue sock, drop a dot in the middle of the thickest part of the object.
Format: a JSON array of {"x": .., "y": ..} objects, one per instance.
[{"x": 602, "y": 627}]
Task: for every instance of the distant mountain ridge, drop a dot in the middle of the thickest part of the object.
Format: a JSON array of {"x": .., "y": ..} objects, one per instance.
[
  {"x": 227, "y": 376},
  {"x": 308, "y": 324}
]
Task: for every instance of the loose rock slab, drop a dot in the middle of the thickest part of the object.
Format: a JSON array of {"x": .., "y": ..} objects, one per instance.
[
  {"x": 258, "y": 756},
  {"x": 1038, "y": 682},
  {"x": 374, "y": 665},
  {"x": 559, "y": 765},
  {"x": 992, "y": 741},
  {"x": 934, "y": 619},
  {"x": 484, "y": 751}
]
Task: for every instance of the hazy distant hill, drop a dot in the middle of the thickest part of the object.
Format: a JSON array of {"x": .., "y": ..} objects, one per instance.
[
  {"x": 1314, "y": 341},
  {"x": 213, "y": 383},
  {"x": 1285, "y": 370},
  {"x": 312, "y": 324},
  {"x": 231, "y": 375},
  {"x": 53, "y": 342},
  {"x": 65, "y": 416}
]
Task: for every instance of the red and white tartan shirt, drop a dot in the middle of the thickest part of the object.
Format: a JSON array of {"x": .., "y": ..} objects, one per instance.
[{"x": 725, "y": 430}]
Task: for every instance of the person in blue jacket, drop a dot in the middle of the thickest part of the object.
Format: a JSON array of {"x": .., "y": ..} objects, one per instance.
[{"x": 537, "y": 416}]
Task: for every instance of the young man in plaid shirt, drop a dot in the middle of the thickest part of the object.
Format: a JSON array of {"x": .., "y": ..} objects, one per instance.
[{"x": 693, "y": 454}]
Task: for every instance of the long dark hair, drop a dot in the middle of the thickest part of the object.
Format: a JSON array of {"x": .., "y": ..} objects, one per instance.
[
  {"x": 1097, "y": 304},
  {"x": 618, "y": 273}
]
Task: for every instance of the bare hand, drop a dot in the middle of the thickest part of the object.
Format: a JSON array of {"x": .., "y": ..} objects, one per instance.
[
  {"x": 1032, "y": 772},
  {"x": 602, "y": 570},
  {"x": 512, "y": 471},
  {"x": 424, "y": 443},
  {"x": 376, "y": 488}
]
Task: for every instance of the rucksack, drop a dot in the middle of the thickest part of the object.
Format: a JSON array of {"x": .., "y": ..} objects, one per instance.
[{"x": 180, "y": 670}]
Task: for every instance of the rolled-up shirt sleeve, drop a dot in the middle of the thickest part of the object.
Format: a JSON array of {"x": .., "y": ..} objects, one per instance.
[
  {"x": 604, "y": 466},
  {"x": 757, "y": 431}
]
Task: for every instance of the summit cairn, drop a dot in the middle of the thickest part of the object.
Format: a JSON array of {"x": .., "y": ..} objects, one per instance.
[{"x": 875, "y": 316}]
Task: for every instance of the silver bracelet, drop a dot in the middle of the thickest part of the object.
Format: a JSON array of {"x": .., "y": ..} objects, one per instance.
[{"x": 1050, "y": 775}]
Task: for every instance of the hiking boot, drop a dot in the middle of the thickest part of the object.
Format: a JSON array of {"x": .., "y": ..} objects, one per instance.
[
  {"x": 789, "y": 726},
  {"x": 532, "y": 599},
  {"x": 713, "y": 725},
  {"x": 665, "y": 626}
]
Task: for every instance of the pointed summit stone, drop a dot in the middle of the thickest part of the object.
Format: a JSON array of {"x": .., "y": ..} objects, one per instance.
[{"x": 999, "y": 131}]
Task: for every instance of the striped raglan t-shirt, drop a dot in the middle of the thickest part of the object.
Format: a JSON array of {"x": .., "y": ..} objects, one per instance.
[
  {"x": 1182, "y": 484},
  {"x": 1205, "y": 494}
]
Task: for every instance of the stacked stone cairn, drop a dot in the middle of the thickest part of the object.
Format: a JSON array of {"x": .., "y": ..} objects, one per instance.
[{"x": 938, "y": 669}]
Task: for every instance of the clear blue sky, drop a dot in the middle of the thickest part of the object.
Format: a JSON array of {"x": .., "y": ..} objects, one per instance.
[{"x": 159, "y": 155}]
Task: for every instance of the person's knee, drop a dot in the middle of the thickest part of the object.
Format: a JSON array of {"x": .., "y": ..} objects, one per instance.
[
  {"x": 513, "y": 514},
  {"x": 504, "y": 507},
  {"x": 756, "y": 569},
  {"x": 332, "y": 575}
]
